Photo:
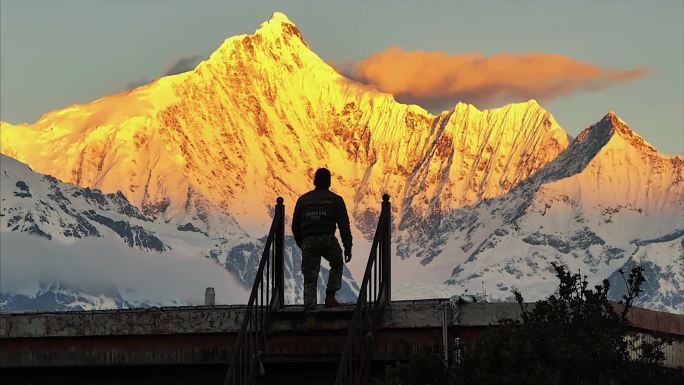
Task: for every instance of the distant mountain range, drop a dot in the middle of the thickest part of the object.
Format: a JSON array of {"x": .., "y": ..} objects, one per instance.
[
  {"x": 482, "y": 200},
  {"x": 67, "y": 216}
]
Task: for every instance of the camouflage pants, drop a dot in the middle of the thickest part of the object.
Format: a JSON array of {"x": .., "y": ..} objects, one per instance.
[{"x": 313, "y": 248}]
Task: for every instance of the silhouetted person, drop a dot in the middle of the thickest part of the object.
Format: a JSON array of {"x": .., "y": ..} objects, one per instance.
[{"x": 313, "y": 225}]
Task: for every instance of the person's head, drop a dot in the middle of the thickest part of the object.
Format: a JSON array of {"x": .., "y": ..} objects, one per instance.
[{"x": 322, "y": 178}]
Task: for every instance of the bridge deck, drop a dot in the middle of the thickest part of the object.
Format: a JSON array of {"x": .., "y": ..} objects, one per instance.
[
  {"x": 194, "y": 335},
  {"x": 198, "y": 320},
  {"x": 205, "y": 335}
]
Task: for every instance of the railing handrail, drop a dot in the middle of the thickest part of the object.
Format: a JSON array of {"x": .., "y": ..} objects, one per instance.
[
  {"x": 381, "y": 296},
  {"x": 274, "y": 299}
]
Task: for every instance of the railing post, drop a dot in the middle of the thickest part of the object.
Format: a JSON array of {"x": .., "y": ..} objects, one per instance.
[
  {"x": 366, "y": 322},
  {"x": 279, "y": 268},
  {"x": 386, "y": 246}
]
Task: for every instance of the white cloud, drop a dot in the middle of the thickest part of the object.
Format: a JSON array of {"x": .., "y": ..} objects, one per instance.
[{"x": 104, "y": 263}]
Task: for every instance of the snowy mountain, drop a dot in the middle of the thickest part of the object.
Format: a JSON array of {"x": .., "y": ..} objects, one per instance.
[
  {"x": 207, "y": 151},
  {"x": 43, "y": 206},
  {"x": 49, "y": 230},
  {"x": 608, "y": 201},
  {"x": 258, "y": 117}
]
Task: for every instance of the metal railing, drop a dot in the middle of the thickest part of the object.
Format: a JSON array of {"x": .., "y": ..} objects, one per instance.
[
  {"x": 374, "y": 296},
  {"x": 246, "y": 366}
]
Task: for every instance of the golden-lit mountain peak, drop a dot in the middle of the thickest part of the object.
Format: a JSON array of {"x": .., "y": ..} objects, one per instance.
[
  {"x": 619, "y": 125},
  {"x": 279, "y": 26},
  {"x": 277, "y": 18},
  {"x": 275, "y": 45},
  {"x": 528, "y": 105},
  {"x": 259, "y": 116}
]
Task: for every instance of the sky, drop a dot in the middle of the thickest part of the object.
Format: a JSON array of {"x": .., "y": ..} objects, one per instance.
[{"x": 578, "y": 59}]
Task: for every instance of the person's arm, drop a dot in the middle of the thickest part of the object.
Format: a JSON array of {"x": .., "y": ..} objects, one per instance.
[
  {"x": 296, "y": 225},
  {"x": 343, "y": 225}
]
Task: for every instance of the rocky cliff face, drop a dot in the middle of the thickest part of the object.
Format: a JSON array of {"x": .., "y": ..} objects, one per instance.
[
  {"x": 610, "y": 200},
  {"x": 258, "y": 117},
  {"x": 45, "y": 207}
]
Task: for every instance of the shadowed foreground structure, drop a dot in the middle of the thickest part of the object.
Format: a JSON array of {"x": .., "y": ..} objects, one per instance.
[
  {"x": 182, "y": 345},
  {"x": 190, "y": 345}
]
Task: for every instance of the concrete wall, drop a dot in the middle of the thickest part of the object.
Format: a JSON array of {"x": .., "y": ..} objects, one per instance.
[
  {"x": 199, "y": 335},
  {"x": 199, "y": 320},
  {"x": 204, "y": 335},
  {"x": 183, "y": 320}
]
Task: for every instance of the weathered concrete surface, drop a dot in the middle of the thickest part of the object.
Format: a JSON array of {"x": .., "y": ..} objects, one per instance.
[
  {"x": 200, "y": 319},
  {"x": 116, "y": 350},
  {"x": 485, "y": 314},
  {"x": 205, "y": 335},
  {"x": 200, "y": 335},
  {"x": 178, "y": 320}
]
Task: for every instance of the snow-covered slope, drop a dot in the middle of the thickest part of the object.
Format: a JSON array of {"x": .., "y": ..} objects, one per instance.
[
  {"x": 43, "y": 206},
  {"x": 67, "y": 247},
  {"x": 256, "y": 119},
  {"x": 609, "y": 200}
]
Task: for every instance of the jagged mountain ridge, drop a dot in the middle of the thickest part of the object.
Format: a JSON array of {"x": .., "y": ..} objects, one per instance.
[
  {"x": 212, "y": 148},
  {"x": 44, "y": 206},
  {"x": 58, "y": 296},
  {"x": 258, "y": 117},
  {"x": 607, "y": 202},
  {"x": 66, "y": 216}
]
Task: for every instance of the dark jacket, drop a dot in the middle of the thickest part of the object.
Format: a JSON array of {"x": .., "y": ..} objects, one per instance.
[{"x": 317, "y": 212}]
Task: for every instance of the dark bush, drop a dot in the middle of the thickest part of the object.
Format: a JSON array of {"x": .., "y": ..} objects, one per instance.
[{"x": 576, "y": 336}]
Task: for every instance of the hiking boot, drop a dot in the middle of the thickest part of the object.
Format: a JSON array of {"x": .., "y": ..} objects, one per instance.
[{"x": 330, "y": 300}]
